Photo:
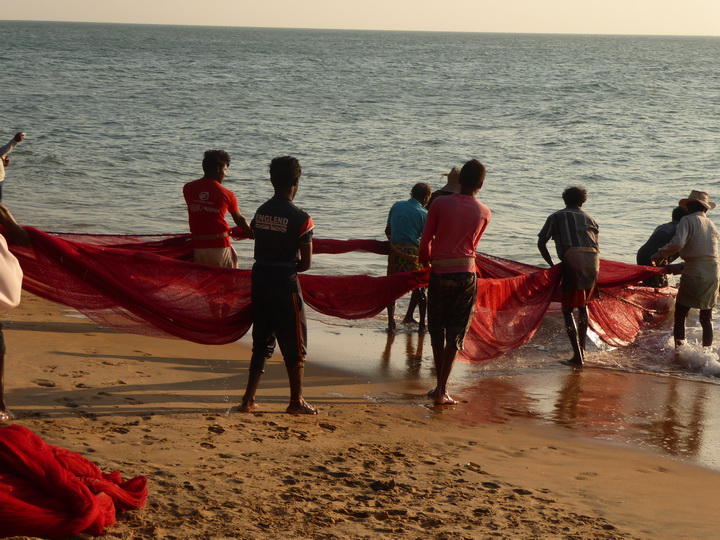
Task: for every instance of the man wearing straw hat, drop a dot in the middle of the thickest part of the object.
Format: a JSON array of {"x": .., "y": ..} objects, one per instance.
[{"x": 696, "y": 239}]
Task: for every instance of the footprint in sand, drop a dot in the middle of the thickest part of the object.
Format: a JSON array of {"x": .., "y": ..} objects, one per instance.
[{"x": 44, "y": 383}]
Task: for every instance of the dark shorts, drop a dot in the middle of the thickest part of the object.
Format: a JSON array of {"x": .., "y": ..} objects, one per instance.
[
  {"x": 451, "y": 301},
  {"x": 278, "y": 318}
]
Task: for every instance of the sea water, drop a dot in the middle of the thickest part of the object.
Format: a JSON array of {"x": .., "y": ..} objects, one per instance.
[{"x": 117, "y": 118}]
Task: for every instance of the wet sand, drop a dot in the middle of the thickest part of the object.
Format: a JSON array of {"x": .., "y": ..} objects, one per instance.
[{"x": 542, "y": 453}]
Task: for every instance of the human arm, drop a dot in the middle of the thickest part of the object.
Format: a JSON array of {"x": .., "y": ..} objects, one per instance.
[
  {"x": 10, "y": 146},
  {"x": 17, "y": 234},
  {"x": 544, "y": 236},
  {"x": 428, "y": 234},
  {"x": 305, "y": 257},
  {"x": 675, "y": 245},
  {"x": 241, "y": 222},
  {"x": 542, "y": 247}
]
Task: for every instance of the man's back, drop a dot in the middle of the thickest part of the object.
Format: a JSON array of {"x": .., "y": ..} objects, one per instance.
[
  {"x": 406, "y": 221},
  {"x": 571, "y": 227},
  {"x": 208, "y": 201},
  {"x": 280, "y": 226},
  {"x": 454, "y": 227},
  {"x": 696, "y": 237},
  {"x": 660, "y": 236}
]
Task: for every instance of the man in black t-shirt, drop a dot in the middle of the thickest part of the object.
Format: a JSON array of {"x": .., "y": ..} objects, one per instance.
[{"x": 283, "y": 247}]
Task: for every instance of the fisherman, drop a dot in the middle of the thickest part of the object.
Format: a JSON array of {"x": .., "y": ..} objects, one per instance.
[
  {"x": 283, "y": 248},
  {"x": 208, "y": 201},
  {"x": 660, "y": 236},
  {"x": 405, "y": 224},
  {"x": 576, "y": 241},
  {"x": 451, "y": 186},
  {"x": 696, "y": 239},
  {"x": 453, "y": 229}
]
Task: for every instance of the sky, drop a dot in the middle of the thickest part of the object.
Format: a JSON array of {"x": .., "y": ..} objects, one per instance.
[{"x": 634, "y": 17}]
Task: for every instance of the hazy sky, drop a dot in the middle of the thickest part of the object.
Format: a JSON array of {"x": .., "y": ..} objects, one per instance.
[{"x": 664, "y": 17}]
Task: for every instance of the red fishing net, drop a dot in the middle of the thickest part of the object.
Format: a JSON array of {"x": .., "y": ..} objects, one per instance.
[
  {"x": 145, "y": 285},
  {"x": 50, "y": 492}
]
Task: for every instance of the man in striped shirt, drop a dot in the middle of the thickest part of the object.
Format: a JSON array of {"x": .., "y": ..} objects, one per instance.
[{"x": 576, "y": 241}]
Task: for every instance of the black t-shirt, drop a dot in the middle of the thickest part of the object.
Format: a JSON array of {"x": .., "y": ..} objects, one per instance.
[{"x": 280, "y": 227}]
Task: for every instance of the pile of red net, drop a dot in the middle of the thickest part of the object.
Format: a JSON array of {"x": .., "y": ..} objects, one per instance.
[
  {"x": 145, "y": 285},
  {"x": 50, "y": 492}
]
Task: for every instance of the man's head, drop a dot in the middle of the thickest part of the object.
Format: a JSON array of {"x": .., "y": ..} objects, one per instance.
[
  {"x": 472, "y": 176},
  {"x": 215, "y": 164},
  {"x": 285, "y": 172},
  {"x": 422, "y": 192},
  {"x": 574, "y": 196},
  {"x": 698, "y": 201},
  {"x": 678, "y": 213}
]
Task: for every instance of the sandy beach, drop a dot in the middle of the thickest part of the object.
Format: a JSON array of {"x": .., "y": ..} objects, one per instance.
[{"x": 366, "y": 467}]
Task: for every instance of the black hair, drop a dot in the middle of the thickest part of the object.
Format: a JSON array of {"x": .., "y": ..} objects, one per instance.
[
  {"x": 420, "y": 191},
  {"x": 215, "y": 159},
  {"x": 472, "y": 174},
  {"x": 574, "y": 196},
  {"x": 285, "y": 171},
  {"x": 678, "y": 213}
]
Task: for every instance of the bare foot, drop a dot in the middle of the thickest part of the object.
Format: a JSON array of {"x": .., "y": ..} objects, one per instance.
[
  {"x": 445, "y": 399},
  {"x": 6, "y": 416},
  {"x": 300, "y": 407},
  {"x": 432, "y": 393},
  {"x": 410, "y": 320},
  {"x": 421, "y": 328},
  {"x": 573, "y": 362},
  {"x": 392, "y": 327},
  {"x": 246, "y": 406}
]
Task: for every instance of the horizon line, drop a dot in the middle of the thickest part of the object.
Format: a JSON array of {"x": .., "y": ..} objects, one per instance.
[{"x": 364, "y": 29}]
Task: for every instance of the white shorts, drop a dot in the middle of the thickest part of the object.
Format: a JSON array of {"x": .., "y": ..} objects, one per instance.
[{"x": 225, "y": 257}]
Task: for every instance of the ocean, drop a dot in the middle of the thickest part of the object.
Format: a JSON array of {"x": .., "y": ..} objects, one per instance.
[{"x": 117, "y": 118}]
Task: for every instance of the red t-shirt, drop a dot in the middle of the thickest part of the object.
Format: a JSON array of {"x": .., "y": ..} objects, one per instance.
[
  {"x": 453, "y": 230},
  {"x": 208, "y": 201}
]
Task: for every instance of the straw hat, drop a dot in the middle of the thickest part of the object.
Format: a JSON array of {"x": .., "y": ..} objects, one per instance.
[{"x": 698, "y": 196}]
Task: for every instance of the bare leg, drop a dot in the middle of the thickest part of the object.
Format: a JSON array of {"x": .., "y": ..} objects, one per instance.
[
  {"x": 248, "y": 401},
  {"x": 422, "y": 304},
  {"x": 4, "y": 413},
  {"x": 707, "y": 327},
  {"x": 582, "y": 328},
  {"x": 414, "y": 301},
  {"x": 298, "y": 405},
  {"x": 448, "y": 356},
  {"x": 681, "y": 313},
  {"x": 437, "y": 361},
  {"x": 391, "y": 317},
  {"x": 577, "y": 359}
]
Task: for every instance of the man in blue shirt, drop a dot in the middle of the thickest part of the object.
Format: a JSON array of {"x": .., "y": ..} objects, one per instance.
[{"x": 405, "y": 224}]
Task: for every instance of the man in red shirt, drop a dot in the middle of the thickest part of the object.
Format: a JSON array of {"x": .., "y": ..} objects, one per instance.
[
  {"x": 454, "y": 226},
  {"x": 208, "y": 201}
]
